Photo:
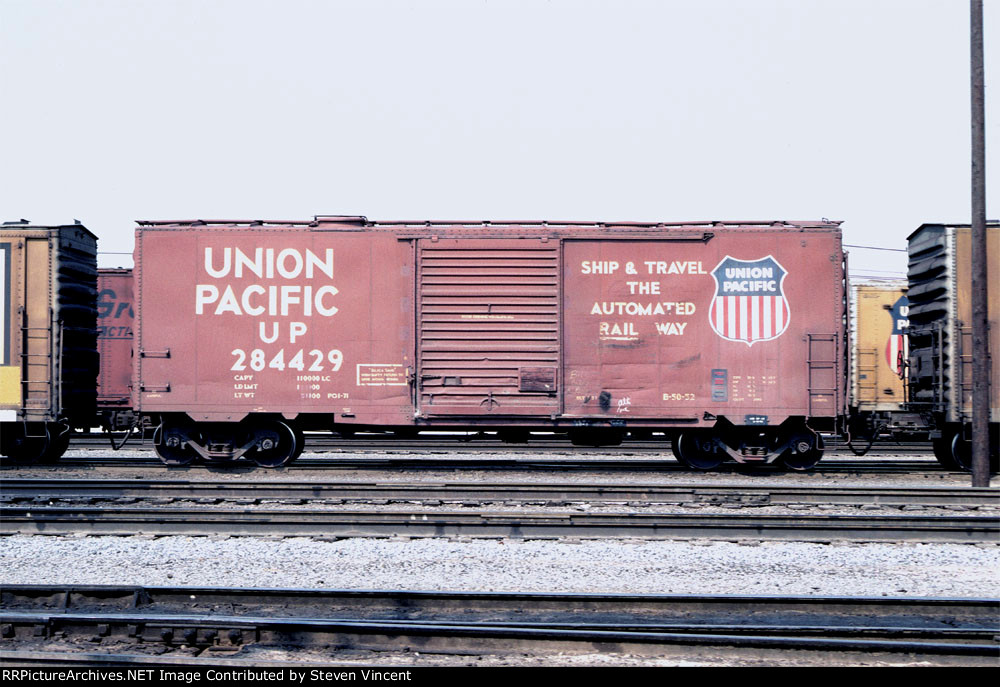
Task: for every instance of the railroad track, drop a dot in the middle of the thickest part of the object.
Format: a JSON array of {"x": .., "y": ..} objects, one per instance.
[
  {"x": 382, "y": 460},
  {"x": 42, "y": 491},
  {"x": 223, "y": 626},
  {"x": 329, "y": 523}
]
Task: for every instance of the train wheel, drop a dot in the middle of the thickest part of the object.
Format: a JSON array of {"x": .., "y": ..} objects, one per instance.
[
  {"x": 300, "y": 441},
  {"x": 277, "y": 447},
  {"x": 942, "y": 451},
  {"x": 170, "y": 450},
  {"x": 28, "y": 449},
  {"x": 960, "y": 450},
  {"x": 809, "y": 451},
  {"x": 694, "y": 454},
  {"x": 57, "y": 447}
]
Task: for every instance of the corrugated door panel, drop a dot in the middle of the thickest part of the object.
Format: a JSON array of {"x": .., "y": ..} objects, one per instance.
[{"x": 489, "y": 327}]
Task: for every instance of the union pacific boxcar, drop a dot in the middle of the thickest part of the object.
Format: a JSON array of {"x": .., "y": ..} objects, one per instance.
[
  {"x": 728, "y": 337},
  {"x": 48, "y": 348},
  {"x": 940, "y": 371}
]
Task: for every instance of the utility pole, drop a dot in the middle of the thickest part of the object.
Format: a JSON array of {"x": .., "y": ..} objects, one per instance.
[{"x": 980, "y": 302}]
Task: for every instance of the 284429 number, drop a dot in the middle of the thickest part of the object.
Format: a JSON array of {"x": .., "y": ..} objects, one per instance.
[{"x": 315, "y": 358}]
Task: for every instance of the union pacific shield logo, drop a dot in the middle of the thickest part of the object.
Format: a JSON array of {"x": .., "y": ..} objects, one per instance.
[{"x": 749, "y": 303}]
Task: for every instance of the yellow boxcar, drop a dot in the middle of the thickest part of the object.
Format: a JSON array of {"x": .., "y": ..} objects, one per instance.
[
  {"x": 48, "y": 337},
  {"x": 940, "y": 372},
  {"x": 879, "y": 317},
  {"x": 879, "y": 358}
]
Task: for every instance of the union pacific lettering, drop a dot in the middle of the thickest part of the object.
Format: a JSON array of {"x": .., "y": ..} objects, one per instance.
[
  {"x": 273, "y": 300},
  {"x": 749, "y": 280}
]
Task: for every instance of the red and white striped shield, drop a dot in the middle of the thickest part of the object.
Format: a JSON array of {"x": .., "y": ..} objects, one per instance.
[
  {"x": 749, "y": 303},
  {"x": 897, "y": 352},
  {"x": 897, "y": 348}
]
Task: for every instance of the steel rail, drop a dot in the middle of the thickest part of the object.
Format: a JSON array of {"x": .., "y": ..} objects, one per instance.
[
  {"x": 383, "y": 461},
  {"x": 19, "y": 490},
  {"x": 36, "y": 660},
  {"x": 15, "y": 519},
  {"x": 193, "y": 630},
  {"x": 462, "y": 623},
  {"x": 929, "y": 612},
  {"x": 714, "y": 653}
]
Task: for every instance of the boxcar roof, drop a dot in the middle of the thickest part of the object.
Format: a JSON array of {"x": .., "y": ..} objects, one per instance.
[
  {"x": 991, "y": 223},
  {"x": 26, "y": 226},
  {"x": 482, "y": 227}
]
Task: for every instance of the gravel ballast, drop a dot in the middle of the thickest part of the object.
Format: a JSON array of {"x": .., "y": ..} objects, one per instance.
[
  {"x": 942, "y": 570},
  {"x": 680, "y": 567}
]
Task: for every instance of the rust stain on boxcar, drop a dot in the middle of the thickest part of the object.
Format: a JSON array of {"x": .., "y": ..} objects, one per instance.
[{"x": 684, "y": 362}]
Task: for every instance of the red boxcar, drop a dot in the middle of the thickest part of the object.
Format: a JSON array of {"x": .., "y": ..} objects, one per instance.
[
  {"x": 115, "y": 319},
  {"x": 728, "y": 337}
]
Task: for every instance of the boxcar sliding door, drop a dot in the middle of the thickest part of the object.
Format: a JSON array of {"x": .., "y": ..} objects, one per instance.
[{"x": 488, "y": 327}]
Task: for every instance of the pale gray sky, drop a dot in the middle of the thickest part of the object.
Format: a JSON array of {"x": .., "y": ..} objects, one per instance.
[{"x": 117, "y": 110}]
